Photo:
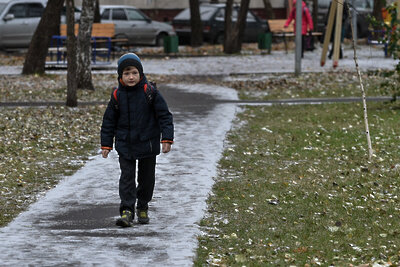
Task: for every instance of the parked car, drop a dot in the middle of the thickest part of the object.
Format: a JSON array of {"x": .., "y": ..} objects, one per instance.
[
  {"x": 134, "y": 25},
  {"x": 363, "y": 9},
  {"x": 213, "y": 17},
  {"x": 19, "y": 19}
]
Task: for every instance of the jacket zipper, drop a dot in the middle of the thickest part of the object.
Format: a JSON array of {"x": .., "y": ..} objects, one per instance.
[{"x": 151, "y": 146}]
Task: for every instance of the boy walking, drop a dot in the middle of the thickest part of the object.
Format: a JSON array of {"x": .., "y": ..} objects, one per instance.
[{"x": 137, "y": 116}]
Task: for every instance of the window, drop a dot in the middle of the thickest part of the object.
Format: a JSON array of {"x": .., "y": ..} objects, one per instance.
[
  {"x": 185, "y": 14},
  {"x": 250, "y": 17},
  {"x": 323, "y": 3},
  {"x": 221, "y": 14},
  {"x": 119, "y": 14},
  {"x": 35, "y": 10},
  {"x": 206, "y": 12},
  {"x": 134, "y": 15},
  {"x": 106, "y": 14},
  {"x": 18, "y": 10}
]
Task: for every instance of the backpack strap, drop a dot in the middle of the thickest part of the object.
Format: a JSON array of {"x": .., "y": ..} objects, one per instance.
[
  {"x": 115, "y": 97},
  {"x": 149, "y": 89},
  {"x": 115, "y": 94}
]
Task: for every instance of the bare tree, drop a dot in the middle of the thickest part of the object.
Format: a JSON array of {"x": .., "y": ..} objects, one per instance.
[
  {"x": 48, "y": 26},
  {"x": 72, "y": 100},
  {"x": 269, "y": 12},
  {"x": 234, "y": 33},
  {"x": 97, "y": 17},
  {"x": 315, "y": 12},
  {"x": 84, "y": 48},
  {"x": 363, "y": 94},
  {"x": 196, "y": 24}
]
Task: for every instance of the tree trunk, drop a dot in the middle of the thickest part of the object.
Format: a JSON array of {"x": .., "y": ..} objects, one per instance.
[
  {"x": 97, "y": 16},
  {"x": 269, "y": 12},
  {"x": 363, "y": 94},
  {"x": 84, "y": 48},
  {"x": 72, "y": 100},
  {"x": 233, "y": 41},
  {"x": 228, "y": 36},
  {"x": 196, "y": 38},
  {"x": 377, "y": 11},
  {"x": 315, "y": 13},
  {"x": 49, "y": 25}
]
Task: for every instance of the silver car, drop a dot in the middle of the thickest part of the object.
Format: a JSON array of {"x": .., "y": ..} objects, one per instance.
[
  {"x": 18, "y": 21},
  {"x": 132, "y": 24}
]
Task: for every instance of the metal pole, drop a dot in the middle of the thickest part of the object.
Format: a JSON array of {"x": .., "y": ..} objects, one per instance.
[{"x": 299, "y": 19}]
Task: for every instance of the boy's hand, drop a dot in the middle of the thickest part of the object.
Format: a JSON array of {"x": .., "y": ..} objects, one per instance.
[
  {"x": 104, "y": 153},
  {"x": 166, "y": 147}
]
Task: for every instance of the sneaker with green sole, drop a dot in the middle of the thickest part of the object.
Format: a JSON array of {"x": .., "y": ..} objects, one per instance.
[
  {"x": 142, "y": 216},
  {"x": 126, "y": 219}
]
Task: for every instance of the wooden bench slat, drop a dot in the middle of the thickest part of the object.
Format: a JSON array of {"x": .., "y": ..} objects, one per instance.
[
  {"x": 277, "y": 25},
  {"x": 98, "y": 29},
  {"x": 277, "y": 28}
]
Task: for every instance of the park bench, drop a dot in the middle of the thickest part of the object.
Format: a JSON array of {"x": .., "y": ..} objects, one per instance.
[
  {"x": 278, "y": 30},
  {"x": 102, "y": 39}
]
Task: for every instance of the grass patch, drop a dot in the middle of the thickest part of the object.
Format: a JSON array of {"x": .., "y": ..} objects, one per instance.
[
  {"x": 42, "y": 88},
  {"x": 295, "y": 188},
  {"x": 314, "y": 85},
  {"x": 39, "y": 146}
]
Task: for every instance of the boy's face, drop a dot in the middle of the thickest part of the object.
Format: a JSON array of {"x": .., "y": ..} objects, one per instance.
[{"x": 130, "y": 76}]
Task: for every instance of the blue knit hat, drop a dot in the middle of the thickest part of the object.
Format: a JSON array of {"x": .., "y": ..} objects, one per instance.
[{"x": 129, "y": 59}]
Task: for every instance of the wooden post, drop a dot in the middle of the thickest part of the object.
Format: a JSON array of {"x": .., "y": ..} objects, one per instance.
[
  {"x": 338, "y": 33},
  {"x": 328, "y": 32}
]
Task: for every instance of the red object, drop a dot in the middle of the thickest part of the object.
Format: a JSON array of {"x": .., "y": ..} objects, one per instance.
[{"x": 306, "y": 23}]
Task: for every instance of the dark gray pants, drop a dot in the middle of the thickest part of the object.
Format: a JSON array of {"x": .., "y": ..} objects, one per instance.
[{"x": 143, "y": 192}]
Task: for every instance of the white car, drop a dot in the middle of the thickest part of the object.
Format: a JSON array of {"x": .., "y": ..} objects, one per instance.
[{"x": 132, "y": 24}]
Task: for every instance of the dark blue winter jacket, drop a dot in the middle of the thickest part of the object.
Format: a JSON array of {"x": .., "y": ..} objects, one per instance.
[{"x": 137, "y": 124}]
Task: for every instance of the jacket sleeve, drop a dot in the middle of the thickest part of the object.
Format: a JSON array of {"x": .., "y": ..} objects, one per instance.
[
  {"x": 309, "y": 20},
  {"x": 291, "y": 17},
  {"x": 165, "y": 118},
  {"x": 109, "y": 125}
]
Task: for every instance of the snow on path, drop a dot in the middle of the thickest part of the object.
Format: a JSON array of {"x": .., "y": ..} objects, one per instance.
[
  {"x": 74, "y": 223},
  {"x": 369, "y": 58}
]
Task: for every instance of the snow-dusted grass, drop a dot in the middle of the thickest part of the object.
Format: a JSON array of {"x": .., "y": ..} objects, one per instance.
[
  {"x": 310, "y": 85},
  {"x": 295, "y": 188},
  {"x": 39, "y": 146}
]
